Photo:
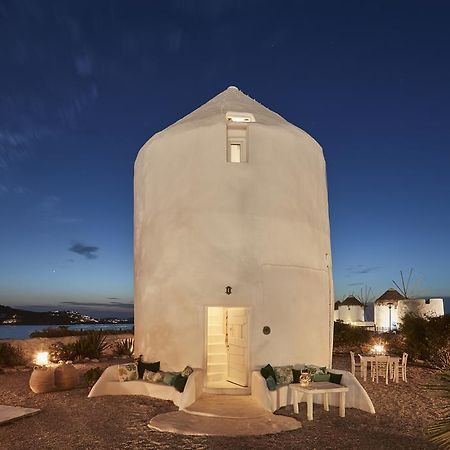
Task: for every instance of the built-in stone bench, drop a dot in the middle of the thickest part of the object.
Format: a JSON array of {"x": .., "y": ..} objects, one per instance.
[
  {"x": 109, "y": 384},
  {"x": 357, "y": 396}
]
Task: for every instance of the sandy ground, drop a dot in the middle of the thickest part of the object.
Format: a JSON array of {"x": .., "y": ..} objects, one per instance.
[{"x": 69, "y": 420}]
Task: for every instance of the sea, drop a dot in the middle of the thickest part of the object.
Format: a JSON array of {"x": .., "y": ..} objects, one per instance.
[{"x": 24, "y": 331}]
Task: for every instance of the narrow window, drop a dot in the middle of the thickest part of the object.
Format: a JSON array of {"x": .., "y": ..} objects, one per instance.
[{"x": 235, "y": 152}]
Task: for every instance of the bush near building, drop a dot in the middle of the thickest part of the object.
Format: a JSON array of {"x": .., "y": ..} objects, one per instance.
[
  {"x": 92, "y": 345},
  {"x": 10, "y": 355},
  {"x": 428, "y": 339},
  {"x": 348, "y": 337}
]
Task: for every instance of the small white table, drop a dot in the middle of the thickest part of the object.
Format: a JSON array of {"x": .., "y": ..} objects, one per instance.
[{"x": 318, "y": 387}]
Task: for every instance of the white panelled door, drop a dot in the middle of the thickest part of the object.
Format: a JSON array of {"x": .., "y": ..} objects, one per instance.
[{"x": 237, "y": 345}]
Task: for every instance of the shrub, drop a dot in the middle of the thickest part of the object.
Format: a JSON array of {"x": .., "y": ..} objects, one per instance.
[
  {"x": 63, "y": 331},
  {"x": 346, "y": 335},
  {"x": 428, "y": 338},
  {"x": 10, "y": 355},
  {"x": 92, "y": 345},
  {"x": 63, "y": 352},
  {"x": 92, "y": 375},
  {"x": 124, "y": 347},
  {"x": 394, "y": 343}
]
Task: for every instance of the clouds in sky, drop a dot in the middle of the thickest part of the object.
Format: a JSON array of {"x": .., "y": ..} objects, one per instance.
[
  {"x": 361, "y": 269},
  {"x": 98, "y": 304},
  {"x": 88, "y": 251}
]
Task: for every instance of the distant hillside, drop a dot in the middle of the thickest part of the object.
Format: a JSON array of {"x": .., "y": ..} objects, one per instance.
[{"x": 13, "y": 316}]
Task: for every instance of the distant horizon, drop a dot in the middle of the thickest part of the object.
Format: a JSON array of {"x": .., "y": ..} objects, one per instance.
[{"x": 129, "y": 313}]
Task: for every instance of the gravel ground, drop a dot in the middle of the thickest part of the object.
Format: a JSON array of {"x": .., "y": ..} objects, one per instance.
[{"x": 69, "y": 420}]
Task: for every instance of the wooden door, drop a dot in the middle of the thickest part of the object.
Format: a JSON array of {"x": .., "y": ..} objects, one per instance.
[{"x": 237, "y": 345}]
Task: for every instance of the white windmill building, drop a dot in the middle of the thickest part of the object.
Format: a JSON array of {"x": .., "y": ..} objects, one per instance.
[
  {"x": 351, "y": 310},
  {"x": 232, "y": 243}
]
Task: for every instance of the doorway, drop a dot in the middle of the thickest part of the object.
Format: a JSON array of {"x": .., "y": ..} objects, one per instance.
[{"x": 227, "y": 348}]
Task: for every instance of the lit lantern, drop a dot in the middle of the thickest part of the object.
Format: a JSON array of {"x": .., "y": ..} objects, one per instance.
[
  {"x": 378, "y": 349},
  {"x": 41, "y": 358},
  {"x": 305, "y": 379}
]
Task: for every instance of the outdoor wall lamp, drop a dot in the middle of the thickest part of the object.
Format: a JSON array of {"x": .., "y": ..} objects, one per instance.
[{"x": 228, "y": 290}]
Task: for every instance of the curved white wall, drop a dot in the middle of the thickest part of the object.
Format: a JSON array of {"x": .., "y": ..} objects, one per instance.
[
  {"x": 260, "y": 227},
  {"x": 351, "y": 313},
  {"x": 433, "y": 307},
  {"x": 381, "y": 317}
]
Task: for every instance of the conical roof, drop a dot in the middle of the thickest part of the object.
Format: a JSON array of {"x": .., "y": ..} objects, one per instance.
[
  {"x": 337, "y": 304},
  {"x": 231, "y": 100},
  {"x": 351, "y": 300},
  {"x": 390, "y": 296}
]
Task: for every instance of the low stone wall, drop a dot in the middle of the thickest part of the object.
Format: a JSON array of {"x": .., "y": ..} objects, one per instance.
[{"x": 31, "y": 346}]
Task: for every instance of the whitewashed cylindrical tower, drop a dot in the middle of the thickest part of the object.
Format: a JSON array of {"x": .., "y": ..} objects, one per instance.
[
  {"x": 351, "y": 310},
  {"x": 422, "y": 307},
  {"x": 231, "y": 211},
  {"x": 386, "y": 310}
]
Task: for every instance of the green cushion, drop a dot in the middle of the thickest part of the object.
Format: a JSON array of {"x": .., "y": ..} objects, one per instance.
[
  {"x": 296, "y": 375},
  {"x": 271, "y": 383},
  {"x": 179, "y": 382},
  {"x": 321, "y": 377},
  {"x": 268, "y": 371},
  {"x": 169, "y": 377},
  {"x": 335, "y": 377},
  {"x": 152, "y": 367}
]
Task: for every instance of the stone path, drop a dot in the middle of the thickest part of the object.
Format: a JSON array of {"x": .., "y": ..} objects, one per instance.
[
  {"x": 223, "y": 415},
  {"x": 9, "y": 413}
]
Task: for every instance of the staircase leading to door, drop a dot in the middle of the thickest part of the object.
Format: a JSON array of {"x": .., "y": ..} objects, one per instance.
[{"x": 217, "y": 351}]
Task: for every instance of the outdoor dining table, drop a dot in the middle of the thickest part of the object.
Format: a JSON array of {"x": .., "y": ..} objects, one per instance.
[{"x": 394, "y": 360}]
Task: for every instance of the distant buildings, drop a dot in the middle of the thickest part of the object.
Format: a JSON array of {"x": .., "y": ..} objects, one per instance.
[
  {"x": 389, "y": 309},
  {"x": 351, "y": 310}
]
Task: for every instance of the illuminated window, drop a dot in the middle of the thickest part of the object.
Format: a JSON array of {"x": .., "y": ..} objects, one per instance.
[
  {"x": 235, "y": 152},
  {"x": 239, "y": 117}
]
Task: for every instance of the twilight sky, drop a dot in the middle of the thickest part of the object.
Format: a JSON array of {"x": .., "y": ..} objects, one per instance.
[{"x": 84, "y": 84}]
